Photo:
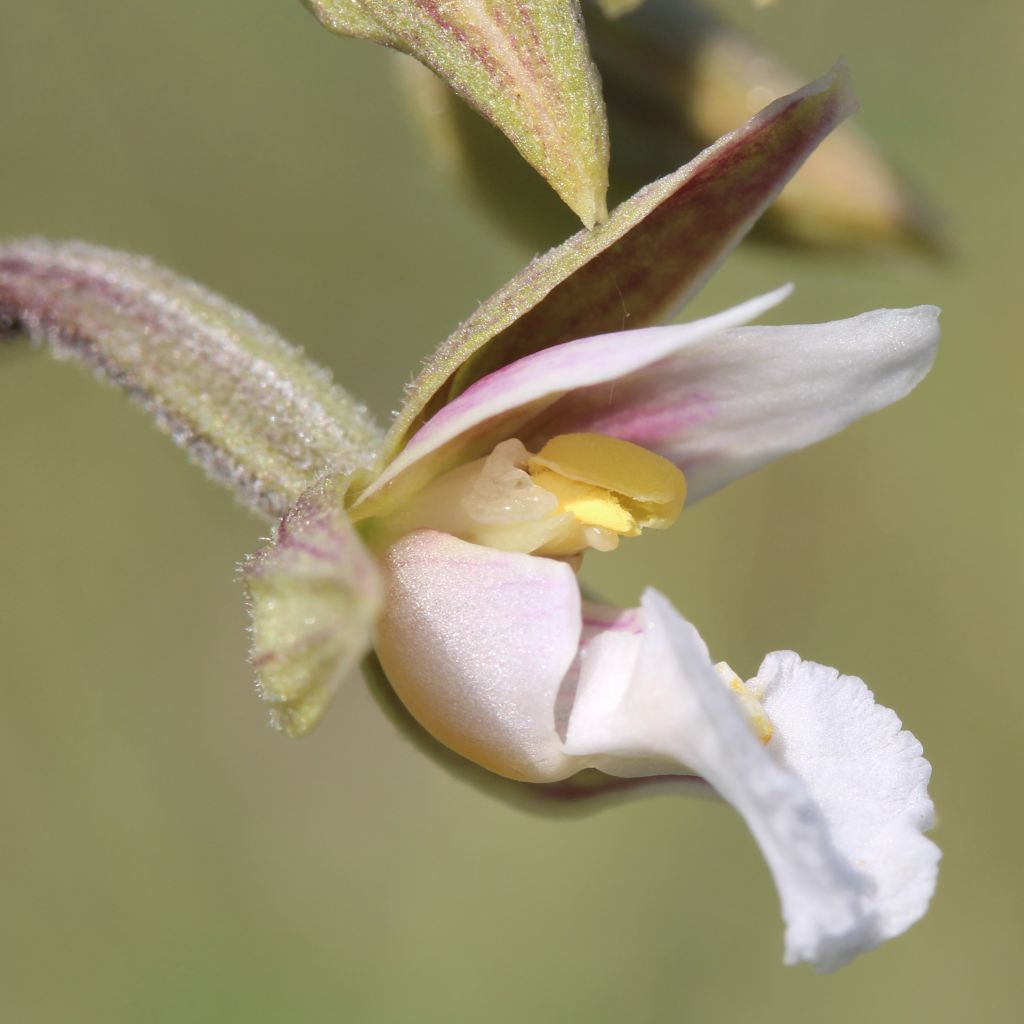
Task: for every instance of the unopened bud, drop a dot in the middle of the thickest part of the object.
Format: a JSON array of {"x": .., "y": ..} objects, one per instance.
[{"x": 675, "y": 72}]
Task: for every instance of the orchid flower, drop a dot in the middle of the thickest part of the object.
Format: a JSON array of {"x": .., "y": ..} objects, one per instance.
[{"x": 540, "y": 432}]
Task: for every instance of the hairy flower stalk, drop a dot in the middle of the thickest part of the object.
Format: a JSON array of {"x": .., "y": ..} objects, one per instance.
[{"x": 539, "y": 434}]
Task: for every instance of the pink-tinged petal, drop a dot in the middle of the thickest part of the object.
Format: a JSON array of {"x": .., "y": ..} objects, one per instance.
[
  {"x": 586, "y": 792},
  {"x": 655, "y": 251},
  {"x": 836, "y": 801},
  {"x": 314, "y": 594},
  {"x": 600, "y": 622},
  {"x": 505, "y": 403},
  {"x": 476, "y": 643},
  {"x": 868, "y": 776},
  {"x": 722, "y": 405}
]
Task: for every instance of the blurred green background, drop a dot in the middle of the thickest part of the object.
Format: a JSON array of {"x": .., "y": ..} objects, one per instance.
[{"x": 165, "y": 857}]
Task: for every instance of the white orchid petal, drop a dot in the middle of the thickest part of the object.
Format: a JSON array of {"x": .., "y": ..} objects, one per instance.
[
  {"x": 500, "y": 404},
  {"x": 476, "y": 643},
  {"x": 724, "y": 404},
  {"x": 866, "y": 774},
  {"x": 849, "y": 874}
]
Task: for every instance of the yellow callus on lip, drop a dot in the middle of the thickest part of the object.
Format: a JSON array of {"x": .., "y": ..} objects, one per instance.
[
  {"x": 760, "y": 723},
  {"x": 609, "y": 483}
]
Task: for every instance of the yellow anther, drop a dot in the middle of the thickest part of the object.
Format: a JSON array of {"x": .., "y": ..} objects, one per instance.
[
  {"x": 592, "y": 506},
  {"x": 760, "y": 723},
  {"x": 637, "y": 483},
  {"x": 580, "y": 492}
]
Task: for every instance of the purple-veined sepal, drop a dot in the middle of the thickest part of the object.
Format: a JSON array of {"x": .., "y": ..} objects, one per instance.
[
  {"x": 247, "y": 406},
  {"x": 524, "y": 66},
  {"x": 654, "y": 252},
  {"x": 314, "y": 596}
]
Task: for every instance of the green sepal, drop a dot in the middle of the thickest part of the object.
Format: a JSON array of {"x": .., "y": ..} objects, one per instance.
[
  {"x": 654, "y": 252},
  {"x": 524, "y": 66},
  {"x": 248, "y": 407},
  {"x": 314, "y": 596}
]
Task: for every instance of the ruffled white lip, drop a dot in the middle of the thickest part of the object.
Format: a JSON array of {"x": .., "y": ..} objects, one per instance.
[
  {"x": 869, "y": 778},
  {"x": 837, "y": 801}
]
